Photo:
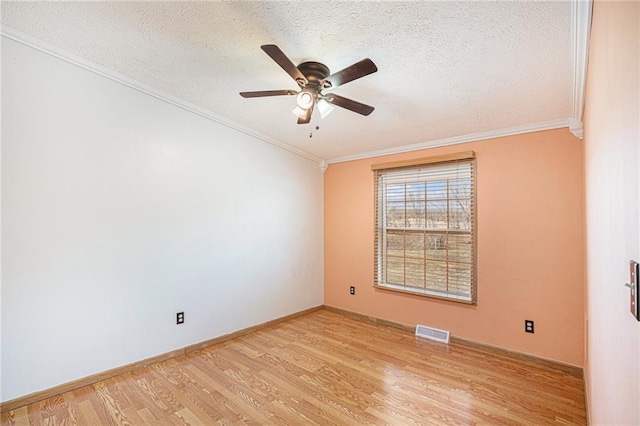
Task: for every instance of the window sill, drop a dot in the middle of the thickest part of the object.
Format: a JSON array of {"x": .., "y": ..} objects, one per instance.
[{"x": 425, "y": 294}]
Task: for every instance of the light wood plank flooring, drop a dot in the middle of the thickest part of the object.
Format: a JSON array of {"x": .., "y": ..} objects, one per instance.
[{"x": 323, "y": 368}]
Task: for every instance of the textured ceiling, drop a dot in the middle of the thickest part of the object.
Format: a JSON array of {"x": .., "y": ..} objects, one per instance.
[{"x": 445, "y": 68}]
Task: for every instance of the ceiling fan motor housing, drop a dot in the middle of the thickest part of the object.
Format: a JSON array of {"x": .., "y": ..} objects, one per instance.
[{"x": 315, "y": 72}]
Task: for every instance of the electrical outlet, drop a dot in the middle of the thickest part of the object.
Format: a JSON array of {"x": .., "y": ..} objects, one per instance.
[
  {"x": 528, "y": 326},
  {"x": 180, "y": 318},
  {"x": 352, "y": 290}
]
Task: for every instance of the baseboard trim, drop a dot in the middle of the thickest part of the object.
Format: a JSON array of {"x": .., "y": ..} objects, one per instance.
[
  {"x": 521, "y": 356},
  {"x": 205, "y": 344},
  {"x": 118, "y": 371},
  {"x": 528, "y": 358},
  {"x": 586, "y": 395},
  {"x": 85, "y": 381},
  {"x": 367, "y": 318}
]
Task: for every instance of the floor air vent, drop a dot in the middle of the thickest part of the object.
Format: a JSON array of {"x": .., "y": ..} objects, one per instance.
[{"x": 432, "y": 333}]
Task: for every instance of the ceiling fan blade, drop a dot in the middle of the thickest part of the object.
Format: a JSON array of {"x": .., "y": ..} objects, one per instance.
[
  {"x": 281, "y": 59},
  {"x": 304, "y": 120},
  {"x": 349, "y": 104},
  {"x": 264, "y": 93},
  {"x": 350, "y": 73}
]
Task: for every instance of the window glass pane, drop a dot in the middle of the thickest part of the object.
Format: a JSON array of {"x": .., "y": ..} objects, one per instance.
[
  {"x": 460, "y": 214},
  {"x": 395, "y": 270},
  {"x": 437, "y": 214},
  {"x": 415, "y": 215},
  {"x": 437, "y": 190},
  {"x": 414, "y": 245},
  {"x": 415, "y": 272},
  {"x": 460, "y": 247},
  {"x": 395, "y": 244},
  {"x": 415, "y": 191},
  {"x": 395, "y": 215},
  {"x": 459, "y": 277},
  {"x": 436, "y": 247},
  {"x": 437, "y": 276},
  {"x": 460, "y": 188},
  {"x": 394, "y": 192}
]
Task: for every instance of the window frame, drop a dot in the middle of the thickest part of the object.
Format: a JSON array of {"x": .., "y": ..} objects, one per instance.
[{"x": 381, "y": 233}]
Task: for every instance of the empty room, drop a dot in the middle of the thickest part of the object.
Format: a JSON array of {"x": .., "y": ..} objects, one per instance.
[{"x": 333, "y": 213}]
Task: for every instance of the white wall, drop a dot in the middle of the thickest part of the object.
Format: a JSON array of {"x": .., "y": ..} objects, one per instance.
[
  {"x": 119, "y": 210},
  {"x": 612, "y": 149}
]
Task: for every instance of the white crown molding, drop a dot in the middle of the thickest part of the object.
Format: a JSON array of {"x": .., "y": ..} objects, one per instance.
[
  {"x": 56, "y": 52},
  {"x": 581, "y": 13},
  {"x": 472, "y": 137},
  {"x": 575, "y": 127}
]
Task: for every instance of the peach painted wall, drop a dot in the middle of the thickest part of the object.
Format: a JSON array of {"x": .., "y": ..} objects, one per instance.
[
  {"x": 612, "y": 163},
  {"x": 530, "y": 247}
]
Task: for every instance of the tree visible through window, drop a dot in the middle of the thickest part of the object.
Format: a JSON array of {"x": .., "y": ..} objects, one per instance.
[{"x": 425, "y": 227}]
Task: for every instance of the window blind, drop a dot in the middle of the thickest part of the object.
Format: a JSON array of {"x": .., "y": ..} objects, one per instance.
[{"x": 425, "y": 235}]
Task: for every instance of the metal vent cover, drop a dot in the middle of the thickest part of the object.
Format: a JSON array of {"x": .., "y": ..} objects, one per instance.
[{"x": 432, "y": 333}]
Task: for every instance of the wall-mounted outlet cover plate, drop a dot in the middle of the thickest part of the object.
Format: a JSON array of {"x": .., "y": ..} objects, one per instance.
[{"x": 528, "y": 326}]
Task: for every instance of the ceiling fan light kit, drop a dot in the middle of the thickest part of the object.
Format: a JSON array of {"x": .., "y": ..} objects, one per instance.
[
  {"x": 305, "y": 99},
  {"x": 324, "y": 108},
  {"x": 301, "y": 113},
  {"x": 313, "y": 78}
]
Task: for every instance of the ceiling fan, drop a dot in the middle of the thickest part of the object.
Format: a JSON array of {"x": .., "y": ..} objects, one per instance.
[{"x": 313, "y": 78}]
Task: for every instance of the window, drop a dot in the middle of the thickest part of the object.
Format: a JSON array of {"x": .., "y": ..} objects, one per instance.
[{"x": 425, "y": 226}]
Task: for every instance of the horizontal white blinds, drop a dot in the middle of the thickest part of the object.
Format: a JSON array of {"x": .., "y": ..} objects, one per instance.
[{"x": 425, "y": 229}]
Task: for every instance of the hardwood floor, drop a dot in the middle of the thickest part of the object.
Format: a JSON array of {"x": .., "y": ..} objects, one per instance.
[{"x": 323, "y": 368}]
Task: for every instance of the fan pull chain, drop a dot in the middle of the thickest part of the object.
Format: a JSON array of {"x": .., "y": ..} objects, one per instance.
[{"x": 317, "y": 127}]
